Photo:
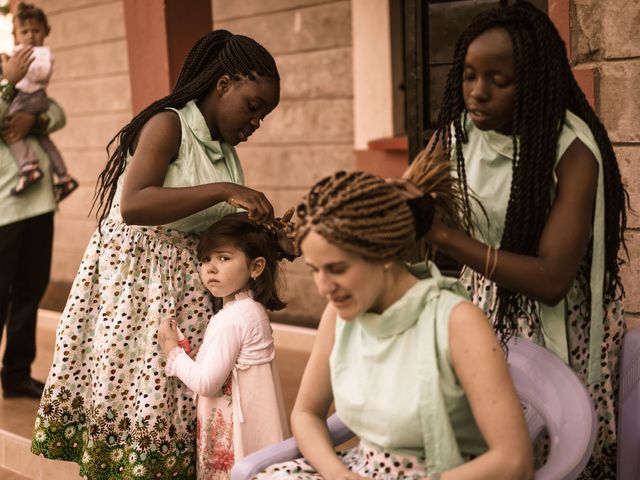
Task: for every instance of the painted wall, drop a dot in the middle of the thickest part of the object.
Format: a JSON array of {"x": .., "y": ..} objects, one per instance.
[
  {"x": 91, "y": 82},
  {"x": 609, "y": 42}
]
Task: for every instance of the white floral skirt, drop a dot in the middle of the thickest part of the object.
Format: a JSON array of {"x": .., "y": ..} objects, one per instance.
[{"x": 107, "y": 404}]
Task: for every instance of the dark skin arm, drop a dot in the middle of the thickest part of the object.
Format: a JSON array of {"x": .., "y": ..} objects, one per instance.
[
  {"x": 548, "y": 276},
  {"x": 146, "y": 202}
]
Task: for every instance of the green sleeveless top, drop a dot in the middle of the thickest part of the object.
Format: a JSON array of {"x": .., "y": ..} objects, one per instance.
[
  {"x": 488, "y": 163},
  {"x": 392, "y": 378},
  {"x": 200, "y": 160}
]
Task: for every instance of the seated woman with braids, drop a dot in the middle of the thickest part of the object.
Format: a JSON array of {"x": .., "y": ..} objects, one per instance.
[{"x": 413, "y": 367}]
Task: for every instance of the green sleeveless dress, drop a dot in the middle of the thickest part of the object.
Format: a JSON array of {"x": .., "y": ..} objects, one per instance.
[
  {"x": 585, "y": 329},
  {"x": 108, "y": 404},
  {"x": 394, "y": 386}
]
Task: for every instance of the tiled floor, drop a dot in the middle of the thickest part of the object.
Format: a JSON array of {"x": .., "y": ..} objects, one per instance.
[{"x": 17, "y": 415}]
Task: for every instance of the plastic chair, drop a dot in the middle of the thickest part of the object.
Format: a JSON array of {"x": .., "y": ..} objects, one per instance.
[
  {"x": 552, "y": 396},
  {"x": 629, "y": 407},
  {"x": 284, "y": 451}
]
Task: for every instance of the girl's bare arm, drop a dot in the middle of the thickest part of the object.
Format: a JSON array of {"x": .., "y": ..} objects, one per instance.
[
  {"x": 146, "y": 202},
  {"x": 548, "y": 276}
]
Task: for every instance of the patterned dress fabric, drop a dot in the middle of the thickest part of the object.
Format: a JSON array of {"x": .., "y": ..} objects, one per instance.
[{"x": 108, "y": 404}]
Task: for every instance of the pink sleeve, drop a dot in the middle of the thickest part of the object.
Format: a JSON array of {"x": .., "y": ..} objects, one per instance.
[{"x": 216, "y": 359}]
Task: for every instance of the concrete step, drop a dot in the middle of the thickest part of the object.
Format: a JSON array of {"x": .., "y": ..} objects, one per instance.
[{"x": 16, "y": 458}]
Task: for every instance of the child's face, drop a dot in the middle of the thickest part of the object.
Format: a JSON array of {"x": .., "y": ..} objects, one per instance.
[
  {"x": 240, "y": 107},
  {"x": 351, "y": 284},
  {"x": 30, "y": 32},
  {"x": 225, "y": 271},
  {"x": 488, "y": 81}
]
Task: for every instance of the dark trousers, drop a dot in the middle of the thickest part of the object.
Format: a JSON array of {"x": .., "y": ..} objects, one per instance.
[{"x": 25, "y": 264}]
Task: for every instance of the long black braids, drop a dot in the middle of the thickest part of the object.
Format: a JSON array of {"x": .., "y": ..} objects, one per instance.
[
  {"x": 545, "y": 89},
  {"x": 217, "y": 53}
]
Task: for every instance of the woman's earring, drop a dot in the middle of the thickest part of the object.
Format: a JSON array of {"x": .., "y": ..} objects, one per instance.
[{"x": 387, "y": 266}]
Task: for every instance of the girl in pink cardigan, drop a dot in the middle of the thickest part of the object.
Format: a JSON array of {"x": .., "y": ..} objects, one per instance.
[{"x": 233, "y": 377}]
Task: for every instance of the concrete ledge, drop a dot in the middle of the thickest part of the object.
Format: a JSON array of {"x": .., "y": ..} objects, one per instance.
[{"x": 16, "y": 456}]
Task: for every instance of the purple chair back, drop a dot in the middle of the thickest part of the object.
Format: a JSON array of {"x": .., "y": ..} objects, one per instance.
[
  {"x": 554, "y": 398},
  {"x": 629, "y": 407}
]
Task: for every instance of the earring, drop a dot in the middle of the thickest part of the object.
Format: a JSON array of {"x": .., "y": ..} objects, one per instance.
[{"x": 387, "y": 266}]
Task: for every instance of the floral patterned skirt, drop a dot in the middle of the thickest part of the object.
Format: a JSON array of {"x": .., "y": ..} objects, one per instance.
[
  {"x": 107, "y": 404},
  {"x": 215, "y": 435},
  {"x": 362, "y": 459},
  {"x": 603, "y": 393}
]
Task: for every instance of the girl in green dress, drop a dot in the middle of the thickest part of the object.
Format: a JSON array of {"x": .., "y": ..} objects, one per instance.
[
  {"x": 544, "y": 201},
  {"x": 107, "y": 404}
]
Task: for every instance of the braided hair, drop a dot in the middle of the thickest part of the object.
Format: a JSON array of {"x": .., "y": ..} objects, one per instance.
[
  {"x": 28, "y": 11},
  {"x": 217, "y": 53},
  {"x": 360, "y": 213},
  {"x": 545, "y": 89}
]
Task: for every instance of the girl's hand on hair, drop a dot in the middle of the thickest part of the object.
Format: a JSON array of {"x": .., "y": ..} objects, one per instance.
[
  {"x": 168, "y": 335},
  {"x": 285, "y": 235},
  {"x": 16, "y": 66},
  {"x": 255, "y": 203},
  {"x": 17, "y": 126}
]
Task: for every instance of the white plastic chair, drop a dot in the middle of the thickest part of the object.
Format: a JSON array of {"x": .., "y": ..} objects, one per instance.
[{"x": 553, "y": 399}]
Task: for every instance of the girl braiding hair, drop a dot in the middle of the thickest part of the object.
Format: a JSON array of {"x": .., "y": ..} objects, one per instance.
[
  {"x": 215, "y": 54},
  {"x": 174, "y": 172},
  {"x": 544, "y": 206},
  {"x": 545, "y": 89}
]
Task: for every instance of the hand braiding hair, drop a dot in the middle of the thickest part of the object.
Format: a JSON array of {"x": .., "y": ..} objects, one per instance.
[
  {"x": 545, "y": 89},
  {"x": 217, "y": 53},
  {"x": 360, "y": 213}
]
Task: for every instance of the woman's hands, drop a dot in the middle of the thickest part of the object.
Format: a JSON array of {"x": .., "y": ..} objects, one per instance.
[
  {"x": 16, "y": 126},
  {"x": 16, "y": 66},
  {"x": 254, "y": 202},
  {"x": 168, "y": 335}
]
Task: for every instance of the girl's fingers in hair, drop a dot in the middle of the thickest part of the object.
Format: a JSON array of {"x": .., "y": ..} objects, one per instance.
[{"x": 286, "y": 218}]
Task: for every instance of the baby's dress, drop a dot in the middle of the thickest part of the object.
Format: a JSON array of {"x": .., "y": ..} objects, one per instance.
[
  {"x": 238, "y": 412},
  {"x": 107, "y": 404}
]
